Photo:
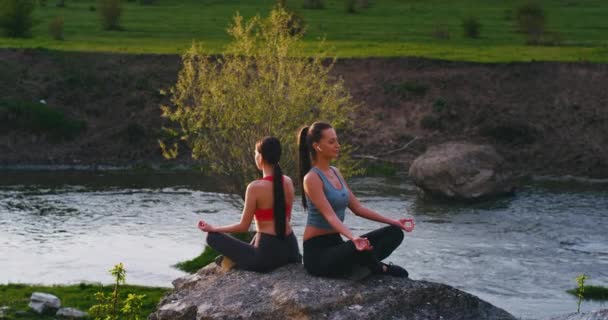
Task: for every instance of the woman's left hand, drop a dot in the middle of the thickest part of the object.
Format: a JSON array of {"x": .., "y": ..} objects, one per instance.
[
  {"x": 204, "y": 226},
  {"x": 407, "y": 224}
]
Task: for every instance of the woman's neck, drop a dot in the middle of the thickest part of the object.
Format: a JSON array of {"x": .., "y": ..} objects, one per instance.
[
  {"x": 322, "y": 163},
  {"x": 267, "y": 170}
]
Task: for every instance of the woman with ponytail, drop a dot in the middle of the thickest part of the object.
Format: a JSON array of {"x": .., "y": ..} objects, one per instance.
[
  {"x": 269, "y": 201},
  {"x": 326, "y": 196}
]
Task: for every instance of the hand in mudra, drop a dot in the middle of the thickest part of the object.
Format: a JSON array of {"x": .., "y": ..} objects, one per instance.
[
  {"x": 204, "y": 226},
  {"x": 407, "y": 224},
  {"x": 362, "y": 244}
]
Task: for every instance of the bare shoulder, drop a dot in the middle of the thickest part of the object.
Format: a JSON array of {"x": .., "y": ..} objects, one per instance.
[
  {"x": 255, "y": 186},
  {"x": 312, "y": 179}
]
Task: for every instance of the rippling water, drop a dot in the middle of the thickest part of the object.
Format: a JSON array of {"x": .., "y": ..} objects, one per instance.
[{"x": 520, "y": 253}]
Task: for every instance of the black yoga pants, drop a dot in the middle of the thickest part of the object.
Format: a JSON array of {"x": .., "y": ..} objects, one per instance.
[
  {"x": 331, "y": 256},
  {"x": 272, "y": 252}
]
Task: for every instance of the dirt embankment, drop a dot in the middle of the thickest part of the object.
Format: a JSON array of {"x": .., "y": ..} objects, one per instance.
[{"x": 545, "y": 118}]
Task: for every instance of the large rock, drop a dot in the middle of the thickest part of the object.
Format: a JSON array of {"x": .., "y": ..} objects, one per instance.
[
  {"x": 290, "y": 293},
  {"x": 592, "y": 315},
  {"x": 461, "y": 171},
  {"x": 44, "y": 302}
]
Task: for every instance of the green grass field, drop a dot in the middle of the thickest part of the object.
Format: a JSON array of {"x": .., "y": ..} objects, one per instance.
[{"x": 389, "y": 28}]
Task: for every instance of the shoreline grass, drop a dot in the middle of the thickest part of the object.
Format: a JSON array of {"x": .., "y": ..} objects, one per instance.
[
  {"x": 389, "y": 28},
  {"x": 79, "y": 296}
]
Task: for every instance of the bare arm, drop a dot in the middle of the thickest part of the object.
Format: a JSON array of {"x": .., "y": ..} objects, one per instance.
[{"x": 246, "y": 217}]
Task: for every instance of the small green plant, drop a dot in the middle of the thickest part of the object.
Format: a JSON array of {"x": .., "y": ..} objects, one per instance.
[
  {"x": 56, "y": 28},
  {"x": 580, "y": 281},
  {"x": 439, "y": 105},
  {"x": 107, "y": 307},
  {"x": 471, "y": 27},
  {"x": 110, "y": 12},
  {"x": 16, "y": 17}
]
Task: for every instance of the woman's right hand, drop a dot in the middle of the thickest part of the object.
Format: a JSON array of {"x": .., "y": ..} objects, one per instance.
[
  {"x": 204, "y": 226},
  {"x": 362, "y": 244}
]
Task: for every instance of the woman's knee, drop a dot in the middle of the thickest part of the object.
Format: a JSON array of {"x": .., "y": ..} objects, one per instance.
[
  {"x": 395, "y": 233},
  {"x": 213, "y": 238}
]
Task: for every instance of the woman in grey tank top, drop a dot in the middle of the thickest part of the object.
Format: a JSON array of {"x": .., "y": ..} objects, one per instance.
[{"x": 326, "y": 196}]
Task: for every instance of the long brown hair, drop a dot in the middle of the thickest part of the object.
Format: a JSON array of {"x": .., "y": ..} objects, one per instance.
[
  {"x": 308, "y": 136},
  {"x": 270, "y": 149}
]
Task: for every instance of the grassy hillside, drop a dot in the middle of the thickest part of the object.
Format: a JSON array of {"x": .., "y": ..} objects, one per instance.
[{"x": 387, "y": 28}]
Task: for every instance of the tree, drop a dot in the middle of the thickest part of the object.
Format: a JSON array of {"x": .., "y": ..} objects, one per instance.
[
  {"x": 260, "y": 86},
  {"x": 16, "y": 17}
]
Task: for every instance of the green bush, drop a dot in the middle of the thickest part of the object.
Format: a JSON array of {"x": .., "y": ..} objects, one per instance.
[
  {"x": 56, "y": 28},
  {"x": 258, "y": 87},
  {"x": 16, "y": 17},
  {"x": 110, "y": 12},
  {"x": 471, "y": 27},
  {"x": 530, "y": 19},
  {"x": 37, "y": 118}
]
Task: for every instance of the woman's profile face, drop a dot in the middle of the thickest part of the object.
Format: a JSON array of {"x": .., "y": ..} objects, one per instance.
[
  {"x": 258, "y": 160},
  {"x": 328, "y": 146}
]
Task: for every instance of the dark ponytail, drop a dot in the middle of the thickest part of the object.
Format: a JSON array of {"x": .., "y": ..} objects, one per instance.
[
  {"x": 278, "y": 195},
  {"x": 270, "y": 149},
  {"x": 308, "y": 136},
  {"x": 304, "y": 161}
]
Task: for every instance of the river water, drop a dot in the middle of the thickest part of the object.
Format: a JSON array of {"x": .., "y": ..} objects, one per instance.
[{"x": 519, "y": 253}]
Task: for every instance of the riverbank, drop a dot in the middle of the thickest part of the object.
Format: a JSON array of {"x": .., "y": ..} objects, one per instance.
[
  {"x": 80, "y": 296},
  {"x": 544, "y": 118}
]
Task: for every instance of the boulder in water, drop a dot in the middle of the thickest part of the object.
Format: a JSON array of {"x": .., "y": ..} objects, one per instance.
[{"x": 461, "y": 171}]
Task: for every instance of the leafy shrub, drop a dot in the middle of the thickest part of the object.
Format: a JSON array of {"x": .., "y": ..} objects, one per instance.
[
  {"x": 257, "y": 88},
  {"x": 110, "y": 12},
  {"x": 56, "y": 28},
  {"x": 530, "y": 19},
  {"x": 16, "y": 17},
  {"x": 471, "y": 27}
]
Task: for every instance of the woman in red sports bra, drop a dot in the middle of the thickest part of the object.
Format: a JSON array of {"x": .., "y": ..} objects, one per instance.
[{"x": 268, "y": 200}]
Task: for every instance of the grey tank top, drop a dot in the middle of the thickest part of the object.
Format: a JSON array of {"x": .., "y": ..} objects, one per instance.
[{"x": 337, "y": 198}]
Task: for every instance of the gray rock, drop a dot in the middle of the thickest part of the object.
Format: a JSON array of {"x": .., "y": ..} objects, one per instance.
[
  {"x": 593, "y": 315},
  {"x": 461, "y": 171},
  {"x": 44, "y": 302},
  {"x": 290, "y": 293},
  {"x": 3, "y": 311},
  {"x": 71, "y": 313}
]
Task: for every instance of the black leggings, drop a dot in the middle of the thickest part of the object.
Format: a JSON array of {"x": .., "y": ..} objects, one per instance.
[
  {"x": 270, "y": 253},
  {"x": 330, "y": 256}
]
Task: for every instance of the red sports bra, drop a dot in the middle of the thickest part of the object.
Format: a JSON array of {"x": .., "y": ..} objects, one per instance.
[{"x": 268, "y": 213}]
